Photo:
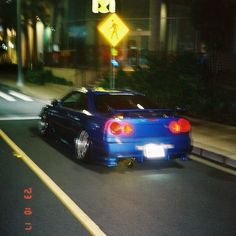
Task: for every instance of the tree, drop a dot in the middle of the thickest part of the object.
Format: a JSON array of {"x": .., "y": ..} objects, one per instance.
[
  {"x": 214, "y": 20},
  {"x": 8, "y": 8}
]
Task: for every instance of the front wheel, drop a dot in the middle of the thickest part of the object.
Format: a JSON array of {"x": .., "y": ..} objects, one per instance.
[
  {"x": 43, "y": 127},
  {"x": 82, "y": 146}
]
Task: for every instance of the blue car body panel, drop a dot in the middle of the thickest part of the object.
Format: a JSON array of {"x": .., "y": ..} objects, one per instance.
[{"x": 150, "y": 128}]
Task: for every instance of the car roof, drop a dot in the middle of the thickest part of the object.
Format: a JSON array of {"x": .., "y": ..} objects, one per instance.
[{"x": 100, "y": 90}]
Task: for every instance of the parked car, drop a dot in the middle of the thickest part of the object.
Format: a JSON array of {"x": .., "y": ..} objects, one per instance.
[{"x": 108, "y": 125}]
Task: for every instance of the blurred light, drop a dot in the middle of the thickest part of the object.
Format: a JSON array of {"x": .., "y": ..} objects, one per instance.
[
  {"x": 114, "y": 63},
  {"x": 140, "y": 106},
  {"x": 103, "y": 6},
  {"x": 30, "y": 38},
  {"x": 40, "y": 34},
  {"x": 114, "y": 52},
  {"x": 13, "y": 32},
  {"x": 9, "y": 32},
  {"x": 10, "y": 44},
  {"x": 48, "y": 32},
  {"x": 163, "y": 23},
  {"x": 4, "y": 47},
  {"x": 163, "y": 10},
  {"x": 87, "y": 113},
  {"x": 55, "y": 48}
]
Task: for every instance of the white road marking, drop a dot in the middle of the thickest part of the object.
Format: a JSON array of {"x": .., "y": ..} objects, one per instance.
[
  {"x": 21, "y": 96},
  {"x": 19, "y": 118},
  {"x": 7, "y": 97}
]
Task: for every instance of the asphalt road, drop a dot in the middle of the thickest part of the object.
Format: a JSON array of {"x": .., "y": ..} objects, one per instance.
[{"x": 154, "y": 198}]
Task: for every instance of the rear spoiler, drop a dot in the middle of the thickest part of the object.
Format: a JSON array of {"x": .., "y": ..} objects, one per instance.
[{"x": 161, "y": 112}]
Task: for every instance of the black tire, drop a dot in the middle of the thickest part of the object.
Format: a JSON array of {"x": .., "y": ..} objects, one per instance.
[{"x": 82, "y": 146}]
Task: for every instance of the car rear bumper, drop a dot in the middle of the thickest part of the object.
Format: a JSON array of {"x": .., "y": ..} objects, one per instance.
[{"x": 173, "y": 147}]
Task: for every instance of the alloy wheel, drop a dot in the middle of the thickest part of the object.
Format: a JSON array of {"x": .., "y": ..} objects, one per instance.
[{"x": 82, "y": 144}]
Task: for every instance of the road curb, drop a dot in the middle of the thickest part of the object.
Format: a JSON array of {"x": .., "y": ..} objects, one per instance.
[{"x": 215, "y": 157}]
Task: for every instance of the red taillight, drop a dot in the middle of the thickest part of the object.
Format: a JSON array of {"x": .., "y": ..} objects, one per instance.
[
  {"x": 184, "y": 125},
  {"x": 115, "y": 128},
  {"x": 119, "y": 128},
  {"x": 180, "y": 126}
]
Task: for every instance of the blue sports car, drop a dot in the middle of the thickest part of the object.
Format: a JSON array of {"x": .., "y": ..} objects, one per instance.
[{"x": 108, "y": 125}]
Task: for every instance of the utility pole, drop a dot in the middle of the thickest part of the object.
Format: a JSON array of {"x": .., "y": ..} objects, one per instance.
[{"x": 19, "y": 53}]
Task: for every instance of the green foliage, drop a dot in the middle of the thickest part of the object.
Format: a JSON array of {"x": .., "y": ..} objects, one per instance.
[
  {"x": 40, "y": 76},
  {"x": 177, "y": 81},
  {"x": 215, "y": 21}
]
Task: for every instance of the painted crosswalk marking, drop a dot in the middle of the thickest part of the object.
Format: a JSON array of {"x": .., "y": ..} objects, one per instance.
[
  {"x": 12, "y": 96},
  {"x": 11, "y": 118},
  {"x": 21, "y": 96},
  {"x": 7, "y": 97}
]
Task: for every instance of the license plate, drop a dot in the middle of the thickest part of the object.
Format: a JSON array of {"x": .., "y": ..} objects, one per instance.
[{"x": 154, "y": 151}]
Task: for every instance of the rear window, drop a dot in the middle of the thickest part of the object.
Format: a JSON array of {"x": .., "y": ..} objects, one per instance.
[{"x": 108, "y": 102}]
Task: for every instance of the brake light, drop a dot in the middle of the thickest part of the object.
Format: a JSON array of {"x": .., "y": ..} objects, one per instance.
[
  {"x": 119, "y": 128},
  {"x": 115, "y": 128},
  {"x": 184, "y": 125},
  {"x": 180, "y": 126}
]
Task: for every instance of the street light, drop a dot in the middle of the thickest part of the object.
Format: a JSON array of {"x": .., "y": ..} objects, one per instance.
[{"x": 19, "y": 54}]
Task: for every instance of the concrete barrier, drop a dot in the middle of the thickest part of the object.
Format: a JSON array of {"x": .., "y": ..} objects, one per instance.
[{"x": 78, "y": 76}]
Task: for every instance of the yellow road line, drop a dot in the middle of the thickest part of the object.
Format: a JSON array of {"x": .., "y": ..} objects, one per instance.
[
  {"x": 211, "y": 164},
  {"x": 79, "y": 214}
]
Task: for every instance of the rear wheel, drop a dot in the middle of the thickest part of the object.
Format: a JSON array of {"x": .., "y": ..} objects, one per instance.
[{"x": 82, "y": 146}]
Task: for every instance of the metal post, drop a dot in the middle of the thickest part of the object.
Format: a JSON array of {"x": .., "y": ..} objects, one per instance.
[
  {"x": 113, "y": 74},
  {"x": 19, "y": 54},
  {"x": 113, "y": 70}
]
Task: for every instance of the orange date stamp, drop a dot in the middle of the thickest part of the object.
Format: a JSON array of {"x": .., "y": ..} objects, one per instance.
[{"x": 28, "y": 195}]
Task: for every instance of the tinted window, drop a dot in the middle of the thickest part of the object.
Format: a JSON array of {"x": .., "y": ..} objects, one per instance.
[
  {"x": 77, "y": 101},
  {"x": 107, "y": 102}
]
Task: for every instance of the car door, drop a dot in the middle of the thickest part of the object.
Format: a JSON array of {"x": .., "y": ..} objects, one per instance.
[{"x": 72, "y": 119}]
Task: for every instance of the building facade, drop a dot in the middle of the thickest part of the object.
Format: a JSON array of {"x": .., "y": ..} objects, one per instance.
[
  {"x": 155, "y": 25},
  {"x": 69, "y": 37}
]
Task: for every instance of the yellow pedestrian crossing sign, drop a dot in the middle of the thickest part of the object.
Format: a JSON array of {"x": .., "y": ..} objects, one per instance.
[{"x": 113, "y": 29}]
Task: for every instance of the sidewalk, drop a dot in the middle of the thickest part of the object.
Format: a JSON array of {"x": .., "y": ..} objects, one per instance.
[
  {"x": 214, "y": 141},
  {"x": 46, "y": 92},
  {"x": 211, "y": 141}
]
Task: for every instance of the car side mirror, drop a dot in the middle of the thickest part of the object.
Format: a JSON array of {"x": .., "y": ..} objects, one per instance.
[{"x": 55, "y": 102}]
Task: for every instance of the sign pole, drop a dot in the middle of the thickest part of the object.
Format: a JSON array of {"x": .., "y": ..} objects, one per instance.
[
  {"x": 111, "y": 69},
  {"x": 113, "y": 29},
  {"x": 112, "y": 83},
  {"x": 113, "y": 74}
]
